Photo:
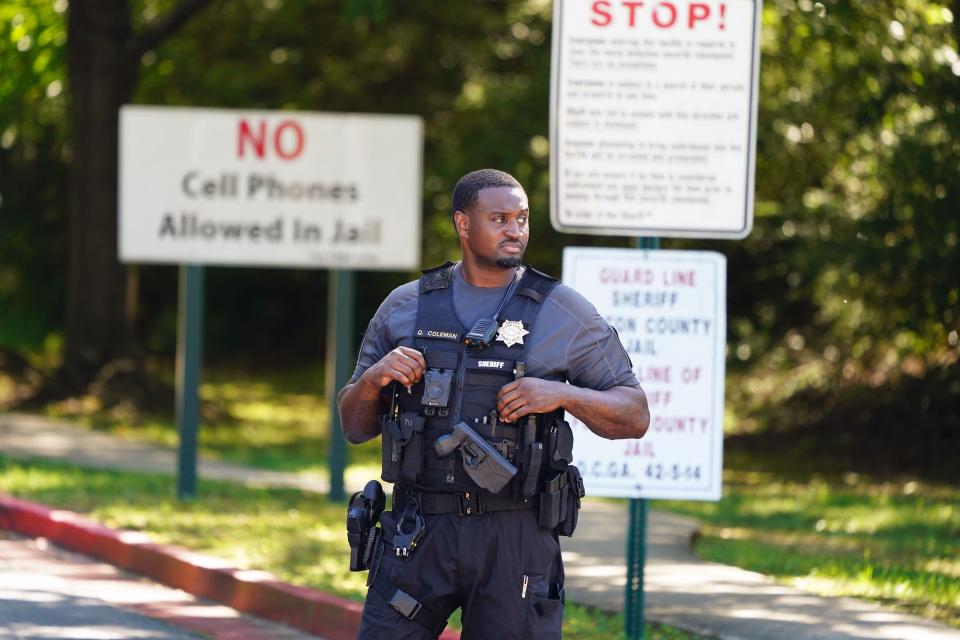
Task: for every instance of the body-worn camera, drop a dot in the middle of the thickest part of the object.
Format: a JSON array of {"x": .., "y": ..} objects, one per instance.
[
  {"x": 436, "y": 390},
  {"x": 482, "y": 333},
  {"x": 363, "y": 534}
]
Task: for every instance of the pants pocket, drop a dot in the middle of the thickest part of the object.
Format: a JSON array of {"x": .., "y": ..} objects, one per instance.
[{"x": 544, "y": 608}]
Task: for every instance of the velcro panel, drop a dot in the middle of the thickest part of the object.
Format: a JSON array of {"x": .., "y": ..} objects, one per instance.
[
  {"x": 441, "y": 359},
  {"x": 484, "y": 379}
]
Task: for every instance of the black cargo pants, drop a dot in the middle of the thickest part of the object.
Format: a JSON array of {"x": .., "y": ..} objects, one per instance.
[{"x": 500, "y": 567}]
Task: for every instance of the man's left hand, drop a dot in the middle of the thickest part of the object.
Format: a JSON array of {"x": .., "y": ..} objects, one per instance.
[{"x": 529, "y": 395}]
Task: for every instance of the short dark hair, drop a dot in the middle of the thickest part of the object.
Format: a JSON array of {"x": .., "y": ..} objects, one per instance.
[{"x": 467, "y": 188}]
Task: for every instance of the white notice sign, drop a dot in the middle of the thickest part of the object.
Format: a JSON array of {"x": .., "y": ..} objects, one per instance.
[
  {"x": 271, "y": 188},
  {"x": 653, "y": 119},
  {"x": 669, "y": 308}
]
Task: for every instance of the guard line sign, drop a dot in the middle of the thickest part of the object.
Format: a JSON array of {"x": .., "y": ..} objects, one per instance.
[
  {"x": 269, "y": 188},
  {"x": 669, "y": 308}
]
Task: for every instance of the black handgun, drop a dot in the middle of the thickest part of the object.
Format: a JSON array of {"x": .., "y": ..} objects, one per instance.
[
  {"x": 363, "y": 513},
  {"x": 481, "y": 461}
]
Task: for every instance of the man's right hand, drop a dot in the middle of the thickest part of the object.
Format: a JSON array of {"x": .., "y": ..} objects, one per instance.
[
  {"x": 360, "y": 402},
  {"x": 403, "y": 365}
]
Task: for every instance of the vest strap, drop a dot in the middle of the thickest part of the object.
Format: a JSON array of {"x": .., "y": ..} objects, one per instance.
[
  {"x": 436, "y": 278},
  {"x": 533, "y": 294}
]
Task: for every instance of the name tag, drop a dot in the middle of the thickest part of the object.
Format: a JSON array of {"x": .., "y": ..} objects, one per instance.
[{"x": 439, "y": 334}]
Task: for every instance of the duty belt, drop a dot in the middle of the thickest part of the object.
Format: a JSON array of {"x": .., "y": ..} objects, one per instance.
[{"x": 462, "y": 503}]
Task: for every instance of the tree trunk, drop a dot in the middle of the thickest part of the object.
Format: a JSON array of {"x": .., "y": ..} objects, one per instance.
[{"x": 102, "y": 76}]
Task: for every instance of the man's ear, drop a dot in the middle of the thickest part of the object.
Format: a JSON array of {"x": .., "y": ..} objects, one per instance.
[{"x": 462, "y": 223}]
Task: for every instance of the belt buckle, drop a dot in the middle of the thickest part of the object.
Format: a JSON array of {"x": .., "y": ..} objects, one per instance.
[{"x": 469, "y": 503}]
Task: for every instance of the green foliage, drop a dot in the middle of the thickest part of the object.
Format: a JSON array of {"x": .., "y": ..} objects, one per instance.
[
  {"x": 854, "y": 257},
  {"x": 850, "y": 273},
  {"x": 33, "y": 158},
  {"x": 892, "y": 540},
  {"x": 908, "y": 425}
]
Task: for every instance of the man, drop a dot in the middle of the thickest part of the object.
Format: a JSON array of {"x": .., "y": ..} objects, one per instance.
[{"x": 492, "y": 349}]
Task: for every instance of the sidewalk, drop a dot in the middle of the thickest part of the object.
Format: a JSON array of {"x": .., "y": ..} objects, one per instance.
[
  {"x": 715, "y": 599},
  {"x": 46, "y": 592},
  {"x": 681, "y": 590},
  {"x": 28, "y": 436}
]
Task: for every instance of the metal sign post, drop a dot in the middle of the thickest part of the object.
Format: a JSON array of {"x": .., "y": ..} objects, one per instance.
[
  {"x": 636, "y": 560},
  {"x": 636, "y": 539},
  {"x": 340, "y": 354},
  {"x": 189, "y": 358}
]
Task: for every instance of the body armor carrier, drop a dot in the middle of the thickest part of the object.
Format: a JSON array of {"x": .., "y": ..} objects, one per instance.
[{"x": 443, "y": 442}]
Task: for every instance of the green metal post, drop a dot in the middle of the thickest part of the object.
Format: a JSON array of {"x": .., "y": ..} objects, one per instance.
[
  {"x": 636, "y": 539},
  {"x": 340, "y": 359},
  {"x": 636, "y": 558},
  {"x": 189, "y": 358}
]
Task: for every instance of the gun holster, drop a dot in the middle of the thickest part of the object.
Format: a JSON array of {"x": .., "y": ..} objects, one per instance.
[{"x": 363, "y": 534}]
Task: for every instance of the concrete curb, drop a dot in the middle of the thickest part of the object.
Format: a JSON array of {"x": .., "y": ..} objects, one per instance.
[{"x": 255, "y": 592}]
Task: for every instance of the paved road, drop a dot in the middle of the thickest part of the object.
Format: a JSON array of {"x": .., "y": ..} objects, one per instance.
[
  {"x": 681, "y": 590},
  {"x": 48, "y": 593}
]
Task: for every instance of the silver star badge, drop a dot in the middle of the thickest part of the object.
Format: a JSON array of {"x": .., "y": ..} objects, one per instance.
[{"x": 511, "y": 332}]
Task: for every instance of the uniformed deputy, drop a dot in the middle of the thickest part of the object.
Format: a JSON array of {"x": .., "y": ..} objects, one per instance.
[{"x": 466, "y": 373}]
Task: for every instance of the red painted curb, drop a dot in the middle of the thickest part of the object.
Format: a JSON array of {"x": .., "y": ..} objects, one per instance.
[{"x": 255, "y": 592}]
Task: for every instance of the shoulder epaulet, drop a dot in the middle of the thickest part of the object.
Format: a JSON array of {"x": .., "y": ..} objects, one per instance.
[
  {"x": 535, "y": 285},
  {"x": 436, "y": 277}
]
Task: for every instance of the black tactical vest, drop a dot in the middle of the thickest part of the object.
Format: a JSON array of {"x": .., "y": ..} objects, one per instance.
[{"x": 473, "y": 377}]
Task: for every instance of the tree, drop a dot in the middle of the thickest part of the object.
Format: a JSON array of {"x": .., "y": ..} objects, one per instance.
[
  {"x": 103, "y": 60},
  {"x": 851, "y": 266},
  {"x": 850, "y": 269}
]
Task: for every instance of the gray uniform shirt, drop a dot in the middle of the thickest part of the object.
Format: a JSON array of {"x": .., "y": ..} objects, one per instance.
[{"x": 568, "y": 341}]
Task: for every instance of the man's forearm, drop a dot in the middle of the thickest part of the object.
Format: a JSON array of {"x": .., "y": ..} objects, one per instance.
[
  {"x": 620, "y": 412},
  {"x": 360, "y": 408}
]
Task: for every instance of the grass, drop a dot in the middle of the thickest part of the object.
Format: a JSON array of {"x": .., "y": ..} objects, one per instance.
[
  {"x": 276, "y": 421},
  {"x": 892, "y": 541},
  {"x": 297, "y": 536}
]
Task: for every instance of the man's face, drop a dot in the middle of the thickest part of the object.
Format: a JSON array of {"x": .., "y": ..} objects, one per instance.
[{"x": 495, "y": 230}]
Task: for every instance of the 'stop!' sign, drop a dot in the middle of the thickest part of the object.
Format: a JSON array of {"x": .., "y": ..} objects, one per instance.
[
  {"x": 209, "y": 186},
  {"x": 653, "y": 117}
]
